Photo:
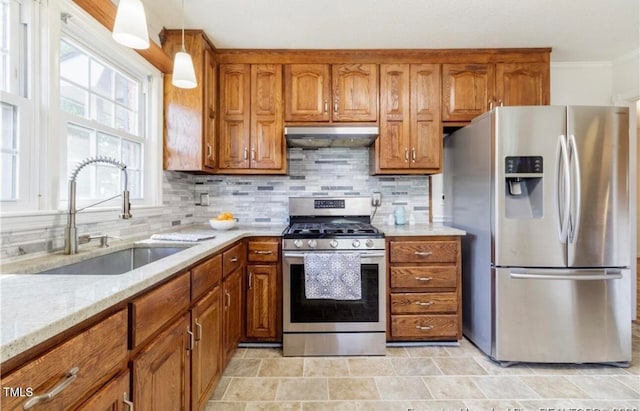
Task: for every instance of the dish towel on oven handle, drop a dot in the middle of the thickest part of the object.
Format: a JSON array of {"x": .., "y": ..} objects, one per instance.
[{"x": 332, "y": 276}]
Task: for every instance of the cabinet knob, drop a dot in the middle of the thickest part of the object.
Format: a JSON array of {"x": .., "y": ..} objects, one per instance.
[
  {"x": 335, "y": 106},
  {"x": 326, "y": 107},
  {"x": 250, "y": 280},
  {"x": 413, "y": 154},
  {"x": 209, "y": 150},
  {"x": 245, "y": 153},
  {"x": 406, "y": 155},
  {"x": 490, "y": 104}
]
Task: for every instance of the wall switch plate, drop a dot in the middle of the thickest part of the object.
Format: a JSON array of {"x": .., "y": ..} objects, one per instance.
[
  {"x": 376, "y": 199},
  {"x": 204, "y": 199}
]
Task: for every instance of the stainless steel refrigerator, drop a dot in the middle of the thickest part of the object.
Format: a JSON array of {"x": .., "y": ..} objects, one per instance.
[{"x": 543, "y": 193}]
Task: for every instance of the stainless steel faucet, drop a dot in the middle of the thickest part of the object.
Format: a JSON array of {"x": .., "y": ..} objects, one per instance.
[{"x": 71, "y": 232}]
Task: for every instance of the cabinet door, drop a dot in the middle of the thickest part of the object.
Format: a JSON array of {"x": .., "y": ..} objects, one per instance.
[
  {"x": 466, "y": 90},
  {"x": 232, "y": 322},
  {"x": 394, "y": 142},
  {"x": 114, "y": 396},
  {"x": 307, "y": 91},
  {"x": 235, "y": 111},
  {"x": 267, "y": 139},
  {"x": 355, "y": 92},
  {"x": 262, "y": 302},
  {"x": 522, "y": 84},
  {"x": 161, "y": 370},
  {"x": 209, "y": 115},
  {"x": 206, "y": 357},
  {"x": 426, "y": 130}
]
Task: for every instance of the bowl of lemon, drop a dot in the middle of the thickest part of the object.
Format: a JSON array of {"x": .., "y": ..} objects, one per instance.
[{"x": 224, "y": 221}]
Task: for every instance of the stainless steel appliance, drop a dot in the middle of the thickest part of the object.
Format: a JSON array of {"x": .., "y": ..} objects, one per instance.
[
  {"x": 543, "y": 193},
  {"x": 315, "y": 326}
]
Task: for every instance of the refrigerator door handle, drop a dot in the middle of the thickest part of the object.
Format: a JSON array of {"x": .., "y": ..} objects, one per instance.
[
  {"x": 530, "y": 274},
  {"x": 575, "y": 163},
  {"x": 562, "y": 164}
]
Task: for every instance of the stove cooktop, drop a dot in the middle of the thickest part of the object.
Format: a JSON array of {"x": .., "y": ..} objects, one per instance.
[{"x": 332, "y": 230}]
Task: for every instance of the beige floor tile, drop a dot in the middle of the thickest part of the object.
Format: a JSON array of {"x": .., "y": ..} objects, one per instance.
[
  {"x": 240, "y": 352},
  {"x": 225, "y": 406},
  {"x": 453, "y": 387},
  {"x": 554, "y": 386},
  {"x": 494, "y": 368},
  {"x": 303, "y": 389},
  {"x": 383, "y": 405},
  {"x": 273, "y": 406},
  {"x": 595, "y": 369},
  {"x": 402, "y": 388},
  {"x": 353, "y": 389},
  {"x": 325, "y": 367},
  {"x": 459, "y": 366},
  {"x": 504, "y": 387},
  {"x": 243, "y": 367},
  {"x": 427, "y": 351},
  {"x": 330, "y": 406},
  {"x": 604, "y": 387},
  {"x": 263, "y": 353},
  {"x": 415, "y": 366},
  {"x": 556, "y": 369},
  {"x": 281, "y": 367},
  {"x": 397, "y": 352},
  {"x": 465, "y": 349},
  {"x": 492, "y": 405},
  {"x": 438, "y": 405},
  {"x": 370, "y": 366},
  {"x": 251, "y": 389},
  {"x": 631, "y": 381},
  {"x": 218, "y": 393}
]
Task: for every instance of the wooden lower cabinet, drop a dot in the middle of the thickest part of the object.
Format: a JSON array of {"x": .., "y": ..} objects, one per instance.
[
  {"x": 206, "y": 358},
  {"x": 262, "y": 301},
  {"x": 161, "y": 370},
  {"x": 114, "y": 396},
  {"x": 425, "y": 289},
  {"x": 232, "y": 318}
]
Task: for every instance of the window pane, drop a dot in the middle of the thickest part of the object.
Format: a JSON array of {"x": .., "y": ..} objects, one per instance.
[
  {"x": 126, "y": 92},
  {"x": 108, "y": 181},
  {"x": 79, "y": 147},
  {"x": 126, "y": 120},
  {"x": 101, "y": 79},
  {"x": 135, "y": 185},
  {"x": 5, "y": 46},
  {"x": 9, "y": 126},
  {"x": 9, "y": 171},
  {"x": 102, "y": 110},
  {"x": 73, "y": 99},
  {"x": 74, "y": 64},
  {"x": 131, "y": 154},
  {"x": 108, "y": 146}
]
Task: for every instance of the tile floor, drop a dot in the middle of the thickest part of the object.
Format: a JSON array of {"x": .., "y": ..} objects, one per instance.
[{"x": 421, "y": 378}]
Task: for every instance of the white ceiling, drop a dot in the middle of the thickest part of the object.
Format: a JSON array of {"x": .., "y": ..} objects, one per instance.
[{"x": 576, "y": 30}]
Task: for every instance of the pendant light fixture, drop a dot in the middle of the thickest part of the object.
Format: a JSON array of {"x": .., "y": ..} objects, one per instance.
[
  {"x": 184, "y": 75},
  {"x": 130, "y": 27}
]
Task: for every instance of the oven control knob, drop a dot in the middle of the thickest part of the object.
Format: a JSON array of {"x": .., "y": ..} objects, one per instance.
[
  {"x": 297, "y": 243},
  {"x": 333, "y": 243},
  {"x": 369, "y": 243},
  {"x": 355, "y": 243},
  {"x": 312, "y": 243}
]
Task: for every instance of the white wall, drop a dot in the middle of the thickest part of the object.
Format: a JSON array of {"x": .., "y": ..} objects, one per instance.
[{"x": 580, "y": 83}]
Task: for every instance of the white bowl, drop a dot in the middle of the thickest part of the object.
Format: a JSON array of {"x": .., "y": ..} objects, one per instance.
[{"x": 222, "y": 225}]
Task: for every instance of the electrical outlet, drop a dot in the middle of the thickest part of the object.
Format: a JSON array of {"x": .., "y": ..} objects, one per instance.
[{"x": 376, "y": 199}]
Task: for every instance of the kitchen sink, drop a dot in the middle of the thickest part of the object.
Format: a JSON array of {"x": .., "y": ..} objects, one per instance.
[{"x": 117, "y": 262}]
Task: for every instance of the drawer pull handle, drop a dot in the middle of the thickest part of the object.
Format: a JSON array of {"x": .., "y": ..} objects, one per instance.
[
  {"x": 234, "y": 259},
  {"x": 423, "y": 253},
  {"x": 192, "y": 342},
  {"x": 427, "y": 328},
  {"x": 199, "y": 330},
  {"x": 263, "y": 252},
  {"x": 228, "y": 300},
  {"x": 250, "y": 280},
  {"x": 424, "y": 278},
  {"x": 127, "y": 402},
  {"x": 424, "y": 304},
  {"x": 71, "y": 377}
]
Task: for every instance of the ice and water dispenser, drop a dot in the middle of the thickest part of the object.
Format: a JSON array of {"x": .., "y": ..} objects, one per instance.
[{"x": 523, "y": 187}]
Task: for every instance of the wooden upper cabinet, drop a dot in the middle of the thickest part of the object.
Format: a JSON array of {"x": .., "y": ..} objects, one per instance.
[
  {"x": 337, "y": 92},
  {"x": 190, "y": 114},
  {"x": 522, "y": 84},
  {"x": 467, "y": 90},
  {"x": 410, "y": 138},
  {"x": 307, "y": 90},
  {"x": 251, "y": 136}
]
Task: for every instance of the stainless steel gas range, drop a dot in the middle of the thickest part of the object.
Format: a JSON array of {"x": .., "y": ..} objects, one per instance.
[{"x": 334, "y": 281}]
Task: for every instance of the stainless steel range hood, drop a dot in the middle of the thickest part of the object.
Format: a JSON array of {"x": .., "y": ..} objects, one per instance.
[{"x": 331, "y": 136}]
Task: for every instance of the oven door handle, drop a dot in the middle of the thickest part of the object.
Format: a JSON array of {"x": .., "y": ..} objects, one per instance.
[{"x": 362, "y": 255}]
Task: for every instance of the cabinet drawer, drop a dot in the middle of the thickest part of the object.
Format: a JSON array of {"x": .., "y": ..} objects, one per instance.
[
  {"x": 96, "y": 352},
  {"x": 423, "y": 251},
  {"x": 422, "y": 303},
  {"x": 263, "y": 251},
  {"x": 424, "y": 326},
  {"x": 232, "y": 259},
  {"x": 424, "y": 277},
  {"x": 153, "y": 309},
  {"x": 204, "y": 276}
]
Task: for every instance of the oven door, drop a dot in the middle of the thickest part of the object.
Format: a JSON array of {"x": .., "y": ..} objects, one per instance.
[{"x": 328, "y": 315}]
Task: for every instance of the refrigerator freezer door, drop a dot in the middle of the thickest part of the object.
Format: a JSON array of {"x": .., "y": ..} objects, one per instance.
[
  {"x": 527, "y": 228},
  {"x": 572, "y": 316},
  {"x": 599, "y": 157}
]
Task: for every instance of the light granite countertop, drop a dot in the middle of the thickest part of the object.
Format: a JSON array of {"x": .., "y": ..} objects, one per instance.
[{"x": 36, "y": 307}]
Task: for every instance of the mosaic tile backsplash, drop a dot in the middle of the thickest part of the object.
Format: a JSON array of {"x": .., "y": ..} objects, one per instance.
[{"x": 253, "y": 199}]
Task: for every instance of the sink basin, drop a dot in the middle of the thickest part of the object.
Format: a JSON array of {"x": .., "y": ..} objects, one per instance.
[{"x": 117, "y": 262}]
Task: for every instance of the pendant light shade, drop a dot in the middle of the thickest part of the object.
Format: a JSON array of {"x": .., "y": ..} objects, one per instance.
[
  {"x": 130, "y": 28},
  {"x": 184, "y": 75}
]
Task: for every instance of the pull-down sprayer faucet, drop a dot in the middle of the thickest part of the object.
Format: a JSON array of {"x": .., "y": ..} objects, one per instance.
[{"x": 71, "y": 233}]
